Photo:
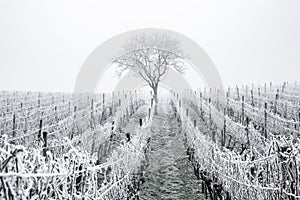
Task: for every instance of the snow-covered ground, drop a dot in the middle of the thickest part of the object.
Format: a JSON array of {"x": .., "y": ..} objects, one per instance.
[{"x": 169, "y": 174}]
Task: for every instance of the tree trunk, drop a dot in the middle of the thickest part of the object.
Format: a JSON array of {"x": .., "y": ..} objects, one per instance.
[{"x": 155, "y": 100}]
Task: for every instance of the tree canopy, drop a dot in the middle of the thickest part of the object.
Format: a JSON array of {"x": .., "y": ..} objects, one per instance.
[{"x": 150, "y": 56}]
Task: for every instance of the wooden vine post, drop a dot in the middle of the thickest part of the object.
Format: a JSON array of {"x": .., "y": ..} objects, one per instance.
[
  {"x": 93, "y": 125},
  {"x": 131, "y": 111},
  {"x": 252, "y": 100},
  {"x": 247, "y": 130},
  {"x": 103, "y": 102},
  {"x": 127, "y": 114},
  {"x": 276, "y": 102},
  {"x": 265, "y": 128},
  {"x": 237, "y": 92},
  {"x": 227, "y": 102},
  {"x": 40, "y": 130},
  {"x": 201, "y": 111},
  {"x": 136, "y": 99},
  {"x": 69, "y": 108},
  {"x": 209, "y": 101},
  {"x": 213, "y": 136},
  {"x": 149, "y": 113},
  {"x": 224, "y": 129},
  {"x": 141, "y": 122},
  {"x": 55, "y": 109},
  {"x": 243, "y": 110},
  {"x": 75, "y": 109},
  {"x": 299, "y": 120},
  {"x": 45, "y": 134},
  {"x": 212, "y": 129},
  {"x": 14, "y": 126},
  {"x": 39, "y": 103}
]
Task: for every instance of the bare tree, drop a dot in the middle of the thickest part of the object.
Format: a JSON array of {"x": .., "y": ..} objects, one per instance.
[{"x": 150, "y": 56}]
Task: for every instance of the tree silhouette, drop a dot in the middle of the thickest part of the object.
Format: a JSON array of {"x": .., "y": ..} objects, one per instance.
[{"x": 150, "y": 56}]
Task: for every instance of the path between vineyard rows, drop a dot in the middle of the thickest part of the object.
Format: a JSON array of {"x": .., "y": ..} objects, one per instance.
[{"x": 169, "y": 174}]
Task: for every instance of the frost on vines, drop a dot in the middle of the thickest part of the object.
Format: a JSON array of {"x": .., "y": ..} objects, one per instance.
[
  {"x": 244, "y": 145},
  {"x": 56, "y": 149}
]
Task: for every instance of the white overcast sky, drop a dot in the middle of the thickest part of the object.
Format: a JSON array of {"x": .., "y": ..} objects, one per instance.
[{"x": 44, "y": 43}]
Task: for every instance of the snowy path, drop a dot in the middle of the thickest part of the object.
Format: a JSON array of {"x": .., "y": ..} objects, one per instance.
[{"x": 169, "y": 174}]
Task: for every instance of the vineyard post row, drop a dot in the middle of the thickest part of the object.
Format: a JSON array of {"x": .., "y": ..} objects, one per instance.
[
  {"x": 75, "y": 172},
  {"x": 197, "y": 105},
  {"x": 25, "y": 115}
]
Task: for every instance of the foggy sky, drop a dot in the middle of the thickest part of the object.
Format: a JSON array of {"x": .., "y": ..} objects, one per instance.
[{"x": 43, "y": 44}]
